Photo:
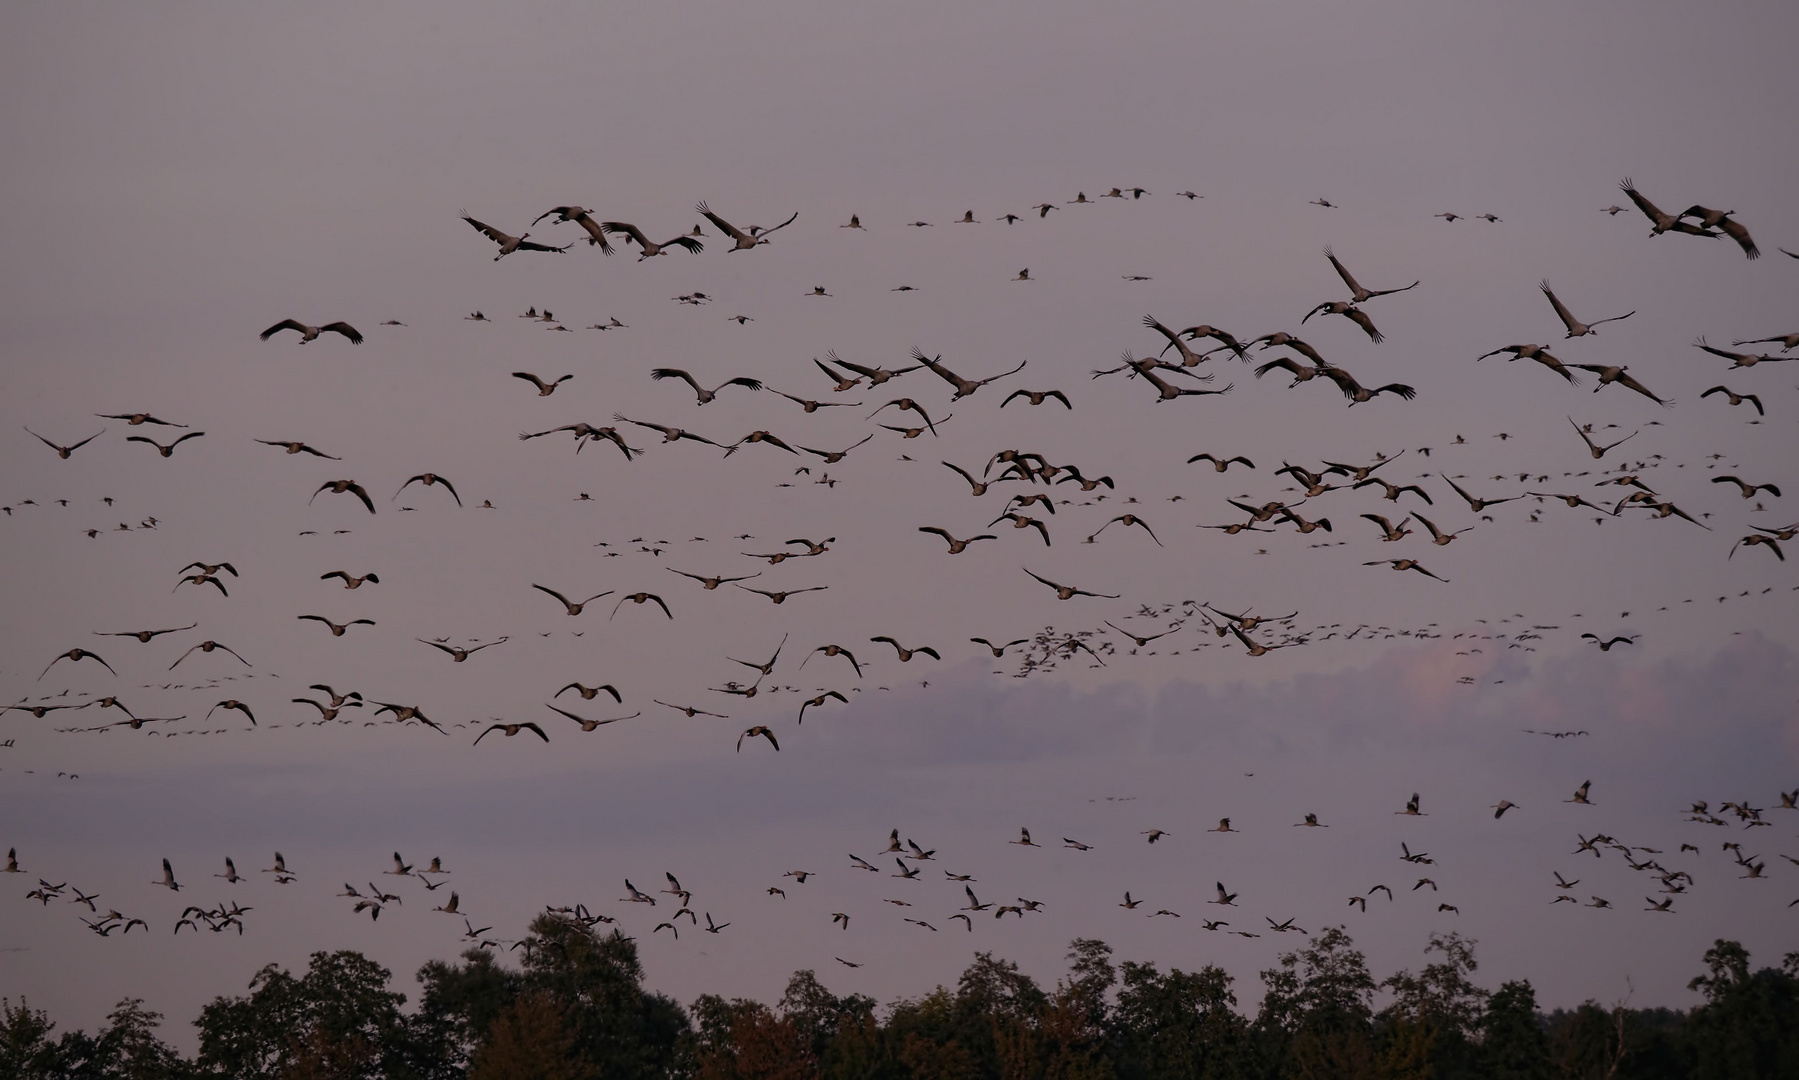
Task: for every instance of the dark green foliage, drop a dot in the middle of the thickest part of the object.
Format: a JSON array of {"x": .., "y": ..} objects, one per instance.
[{"x": 574, "y": 1008}]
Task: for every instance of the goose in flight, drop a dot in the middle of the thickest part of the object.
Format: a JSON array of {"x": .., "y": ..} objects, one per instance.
[
  {"x": 1736, "y": 398},
  {"x": 429, "y": 479},
  {"x": 766, "y": 668},
  {"x": 234, "y": 705},
  {"x": 512, "y": 729},
  {"x": 136, "y": 419},
  {"x": 752, "y": 732},
  {"x": 1721, "y": 220},
  {"x": 1069, "y": 592},
  {"x": 143, "y": 635},
  {"x": 294, "y": 446},
  {"x": 206, "y": 647},
  {"x": 1620, "y": 374},
  {"x": 1580, "y": 795},
  {"x": 1538, "y": 353},
  {"x": 1595, "y": 449},
  {"x": 1357, "y": 393},
  {"x": 1224, "y": 899},
  {"x": 1037, "y": 397},
  {"x": 904, "y": 404},
  {"x": 337, "y": 629},
  {"x": 1141, "y": 640},
  {"x": 588, "y": 693},
  {"x": 711, "y": 583},
  {"x": 1606, "y": 646},
  {"x": 510, "y": 244},
  {"x": 583, "y": 433},
  {"x": 835, "y": 650},
  {"x": 580, "y": 215},
  {"x": 1299, "y": 371},
  {"x": 905, "y": 654},
  {"x": 1019, "y": 521},
  {"x": 1741, "y": 360},
  {"x": 1748, "y": 490},
  {"x": 168, "y": 879},
  {"x": 819, "y": 701},
  {"x": 811, "y": 406},
  {"x": 964, "y": 387},
  {"x": 690, "y": 711},
  {"x": 326, "y": 713},
  {"x": 1754, "y": 539},
  {"x": 339, "y": 487},
  {"x": 744, "y": 241},
  {"x": 308, "y": 333},
  {"x": 544, "y": 389},
  {"x": 1352, "y": 313},
  {"x": 459, "y": 655},
  {"x": 1390, "y": 532},
  {"x": 1477, "y": 505},
  {"x": 780, "y": 596},
  {"x": 64, "y": 451},
  {"x": 573, "y": 608},
  {"x": 1000, "y": 650},
  {"x": 1392, "y": 492},
  {"x": 1411, "y": 807},
  {"x": 351, "y": 582},
  {"x": 1576, "y": 328},
  {"x": 639, "y": 598},
  {"x": 760, "y": 437},
  {"x": 1128, "y": 520},
  {"x": 1406, "y": 564},
  {"x": 1221, "y": 464},
  {"x": 1501, "y": 807},
  {"x": 875, "y": 375},
  {"x": 956, "y": 547},
  {"x": 1189, "y": 358},
  {"x": 1438, "y": 536},
  {"x": 832, "y": 457},
  {"x": 645, "y": 248},
  {"x": 1660, "y": 221},
  {"x": 1358, "y": 294},
  {"x": 78, "y": 655},
  {"x": 165, "y": 451}
]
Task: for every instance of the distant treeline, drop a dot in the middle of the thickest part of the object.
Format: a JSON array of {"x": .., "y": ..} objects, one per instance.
[{"x": 576, "y": 1009}]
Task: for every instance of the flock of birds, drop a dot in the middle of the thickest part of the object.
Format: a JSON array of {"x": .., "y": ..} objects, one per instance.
[{"x": 1026, "y": 497}]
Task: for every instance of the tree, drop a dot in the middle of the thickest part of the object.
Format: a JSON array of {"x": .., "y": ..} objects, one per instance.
[
  {"x": 1180, "y": 1026},
  {"x": 25, "y": 1047},
  {"x": 1513, "y": 1046},
  {"x": 338, "y": 1020},
  {"x": 1432, "y": 1024},
  {"x": 1317, "y": 1010},
  {"x": 1749, "y": 1024}
]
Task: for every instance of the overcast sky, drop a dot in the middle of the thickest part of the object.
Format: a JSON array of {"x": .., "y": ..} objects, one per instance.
[{"x": 180, "y": 178}]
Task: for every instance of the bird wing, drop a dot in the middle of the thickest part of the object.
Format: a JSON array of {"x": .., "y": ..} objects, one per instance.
[
  {"x": 345, "y": 329},
  {"x": 733, "y": 231},
  {"x": 284, "y": 324}
]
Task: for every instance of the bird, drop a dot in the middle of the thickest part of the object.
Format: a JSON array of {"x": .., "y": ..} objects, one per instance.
[
  {"x": 235, "y": 705},
  {"x": 875, "y": 375},
  {"x": 1357, "y": 394},
  {"x": 832, "y": 457},
  {"x": 1741, "y": 360},
  {"x": 580, "y": 215},
  {"x": 1580, "y": 794},
  {"x": 1352, "y": 313},
  {"x": 1538, "y": 353},
  {"x": 1037, "y": 397},
  {"x": 819, "y": 701},
  {"x": 752, "y": 732},
  {"x": 704, "y": 394},
  {"x": 1749, "y": 490},
  {"x": 999, "y": 650},
  {"x": 1594, "y": 448},
  {"x": 64, "y": 451},
  {"x": 1501, "y": 807},
  {"x": 956, "y": 547},
  {"x": 1661, "y": 222},
  {"x": 309, "y": 333},
  {"x": 1128, "y": 520},
  {"x": 137, "y": 419},
  {"x": 761, "y": 437},
  {"x": 76, "y": 656},
  {"x": 710, "y": 583},
  {"x": 1576, "y": 328},
  {"x": 1224, "y": 898},
  {"x": 428, "y": 479},
  {"x": 459, "y": 655},
  {"x": 544, "y": 389},
  {"x": 509, "y": 244},
  {"x": 1754, "y": 539},
  {"x": 1447, "y": 216},
  {"x": 349, "y": 581},
  {"x": 905, "y": 654},
  {"x": 206, "y": 647},
  {"x": 835, "y": 650},
  {"x": 1068, "y": 592},
  {"x": 1619, "y": 374},
  {"x": 165, "y": 451},
  {"x": 645, "y": 248},
  {"x": 639, "y": 598},
  {"x": 1358, "y": 294},
  {"x": 339, "y": 487},
  {"x": 1787, "y": 342},
  {"x": 744, "y": 240},
  {"x": 572, "y": 607},
  {"x": 780, "y": 596},
  {"x": 1221, "y": 464},
  {"x": 145, "y": 635},
  {"x": 337, "y": 629},
  {"x": 1736, "y": 398},
  {"x": 1722, "y": 221},
  {"x": 512, "y": 729},
  {"x": 964, "y": 387},
  {"x": 1405, "y": 564},
  {"x": 168, "y": 878}
]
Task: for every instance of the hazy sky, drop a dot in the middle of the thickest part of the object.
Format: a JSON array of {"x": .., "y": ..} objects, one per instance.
[{"x": 178, "y": 178}]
